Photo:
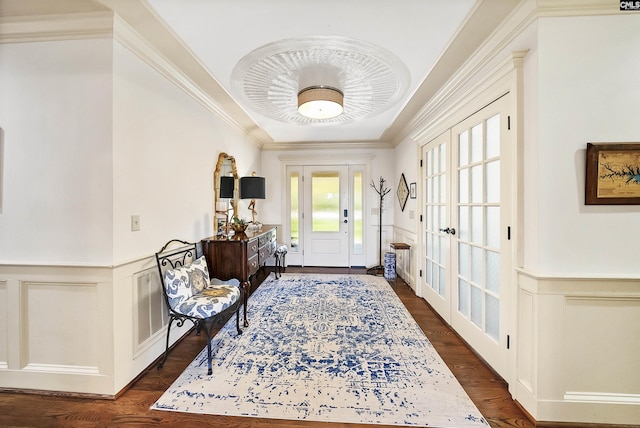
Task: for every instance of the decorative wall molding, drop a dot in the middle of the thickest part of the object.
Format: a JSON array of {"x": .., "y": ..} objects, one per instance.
[
  {"x": 460, "y": 100},
  {"x": 73, "y": 26},
  {"x": 352, "y": 159},
  {"x": 91, "y": 25},
  {"x": 424, "y": 124},
  {"x": 140, "y": 47},
  {"x": 319, "y": 145},
  {"x": 573, "y": 8},
  {"x": 568, "y": 326},
  {"x": 77, "y": 329}
]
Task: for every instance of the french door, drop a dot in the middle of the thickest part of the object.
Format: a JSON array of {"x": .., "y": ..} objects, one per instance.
[
  {"x": 326, "y": 215},
  {"x": 466, "y": 250}
]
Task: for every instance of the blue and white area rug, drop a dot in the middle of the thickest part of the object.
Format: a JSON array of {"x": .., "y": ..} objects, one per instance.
[{"x": 339, "y": 348}]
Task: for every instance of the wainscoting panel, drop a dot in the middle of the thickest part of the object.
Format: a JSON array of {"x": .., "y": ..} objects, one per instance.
[
  {"x": 577, "y": 350},
  {"x": 58, "y": 320},
  {"x": 58, "y": 334},
  {"x": 600, "y": 332},
  {"x": 526, "y": 340},
  {"x": 4, "y": 326}
]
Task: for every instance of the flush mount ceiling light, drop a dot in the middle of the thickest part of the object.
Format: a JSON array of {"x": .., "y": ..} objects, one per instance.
[
  {"x": 320, "y": 102},
  {"x": 362, "y": 78}
]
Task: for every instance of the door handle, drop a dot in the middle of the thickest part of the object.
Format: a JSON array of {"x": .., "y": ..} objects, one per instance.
[{"x": 449, "y": 230}]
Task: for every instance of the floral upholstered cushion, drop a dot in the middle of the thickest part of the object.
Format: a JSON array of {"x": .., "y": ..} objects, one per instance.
[
  {"x": 191, "y": 293},
  {"x": 185, "y": 281},
  {"x": 211, "y": 301}
]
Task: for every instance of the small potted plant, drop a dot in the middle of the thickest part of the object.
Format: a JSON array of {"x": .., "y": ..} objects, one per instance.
[{"x": 238, "y": 225}]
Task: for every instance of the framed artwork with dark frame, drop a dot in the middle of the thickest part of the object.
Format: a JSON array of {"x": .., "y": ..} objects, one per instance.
[
  {"x": 612, "y": 174},
  {"x": 403, "y": 192},
  {"x": 412, "y": 190}
]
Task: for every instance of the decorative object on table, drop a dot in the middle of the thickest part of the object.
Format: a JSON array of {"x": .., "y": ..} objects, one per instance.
[
  {"x": 253, "y": 188},
  {"x": 311, "y": 354},
  {"x": 382, "y": 191},
  {"x": 412, "y": 190},
  {"x": 613, "y": 174},
  {"x": 403, "y": 192},
  {"x": 238, "y": 225}
]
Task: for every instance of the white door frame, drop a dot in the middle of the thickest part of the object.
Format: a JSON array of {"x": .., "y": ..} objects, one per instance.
[{"x": 363, "y": 161}]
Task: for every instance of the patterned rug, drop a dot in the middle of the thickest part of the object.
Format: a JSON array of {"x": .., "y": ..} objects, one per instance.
[{"x": 340, "y": 348}]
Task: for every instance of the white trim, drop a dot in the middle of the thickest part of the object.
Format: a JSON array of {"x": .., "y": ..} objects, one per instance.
[
  {"x": 56, "y": 368},
  {"x": 286, "y": 161},
  {"x": 328, "y": 145},
  {"x": 602, "y": 397},
  {"x": 73, "y": 26},
  {"x": 325, "y": 160},
  {"x": 140, "y": 47}
]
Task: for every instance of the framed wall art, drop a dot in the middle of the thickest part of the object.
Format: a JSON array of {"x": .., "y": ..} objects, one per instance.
[
  {"x": 412, "y": 190},
  {"x": 403, "y": 192},
  {"x": 612, "y": 174}
]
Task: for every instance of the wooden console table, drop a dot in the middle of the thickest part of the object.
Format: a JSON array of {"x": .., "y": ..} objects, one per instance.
[{"x": 239, "y": 256}]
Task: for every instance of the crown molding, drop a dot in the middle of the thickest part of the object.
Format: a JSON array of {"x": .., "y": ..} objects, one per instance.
[
  {"x": 140, "y": 31},
  {"x": 574, "y": 8},
  {"x": 156, "y": 43},
  {"x": 471, "y": 72},
  {"x": 131, "y": 39},
  {"x": 70, "y": 26},
  {"x": 324, "y": 145},
  {"x": 466, "y": 101},
  {"x": 304, "y": 159}
]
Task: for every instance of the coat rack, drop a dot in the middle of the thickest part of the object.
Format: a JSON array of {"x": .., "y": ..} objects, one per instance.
[{"x": 382, "y": 191}]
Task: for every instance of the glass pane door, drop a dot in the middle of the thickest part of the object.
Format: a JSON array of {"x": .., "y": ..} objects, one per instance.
[
  {"x": 480, "y": 194},
  {"x": 478, "y": 209}
]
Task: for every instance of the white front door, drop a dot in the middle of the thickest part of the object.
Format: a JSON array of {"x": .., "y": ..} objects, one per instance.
[{"x": 326, "y": 215}]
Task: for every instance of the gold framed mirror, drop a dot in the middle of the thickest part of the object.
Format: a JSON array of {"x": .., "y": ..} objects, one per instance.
[{"x": 225, "y": 208}]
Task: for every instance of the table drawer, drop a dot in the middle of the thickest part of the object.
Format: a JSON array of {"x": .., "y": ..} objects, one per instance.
[
  {"x": 267, "y": 238},
  {"x": 252, "y": 248},
  {"x": 253, "y": 264}
]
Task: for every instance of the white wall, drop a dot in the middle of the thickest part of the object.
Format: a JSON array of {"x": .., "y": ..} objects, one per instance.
[
  {"x": 92, "y": 135},
  {"x": 406, "y": 223},
  {"x": 576, "y": 303},
  {"x": 165, "y": 147},
  {"x": 407, "y": 163},
  {"x": 56, "y": 114},
  {"x": 588, "y": 92}
]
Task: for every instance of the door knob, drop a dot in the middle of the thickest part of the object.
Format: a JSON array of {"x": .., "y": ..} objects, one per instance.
[{"x": 449, "y": 230}]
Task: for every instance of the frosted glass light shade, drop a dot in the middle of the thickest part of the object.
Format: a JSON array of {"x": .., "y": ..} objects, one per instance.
[{"x": 320, "y": 102}]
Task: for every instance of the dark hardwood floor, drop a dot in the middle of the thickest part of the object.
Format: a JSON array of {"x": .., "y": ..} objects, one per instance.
[{"x": 487, "y": 390}]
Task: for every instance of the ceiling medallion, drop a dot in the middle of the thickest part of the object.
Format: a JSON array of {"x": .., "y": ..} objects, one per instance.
[{"x": 356, "y": 77}]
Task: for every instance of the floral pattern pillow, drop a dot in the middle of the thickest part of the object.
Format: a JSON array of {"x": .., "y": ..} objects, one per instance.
[{"x": 184, "y": 282}]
